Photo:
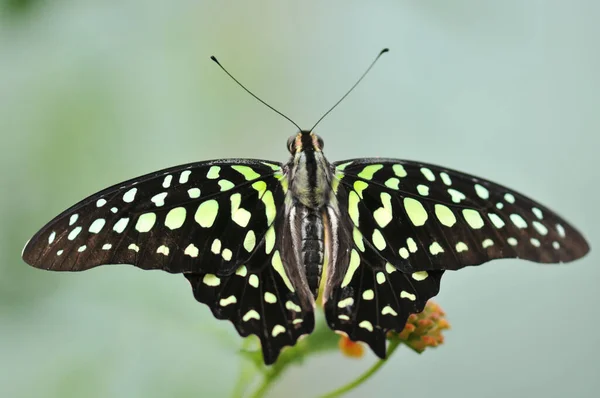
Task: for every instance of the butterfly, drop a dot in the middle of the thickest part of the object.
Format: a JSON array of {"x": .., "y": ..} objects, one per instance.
[{"x": 259, "y": 240}]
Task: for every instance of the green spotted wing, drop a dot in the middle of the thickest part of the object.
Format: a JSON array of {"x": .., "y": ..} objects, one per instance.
[
  {"x": 216, "y": 222},
  {"x": 401, "y": 224}
]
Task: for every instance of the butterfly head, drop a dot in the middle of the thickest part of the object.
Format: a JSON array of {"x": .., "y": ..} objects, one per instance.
[{"x": 304, "y": 141}]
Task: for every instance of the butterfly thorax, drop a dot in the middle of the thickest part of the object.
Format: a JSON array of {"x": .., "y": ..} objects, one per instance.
[{"x": 309, "y": 171}]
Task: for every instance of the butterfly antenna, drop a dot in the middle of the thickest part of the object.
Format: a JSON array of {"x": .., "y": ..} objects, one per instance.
[
  {"x": 251, "y": 93},
  {"x": 385, "y": 50}
]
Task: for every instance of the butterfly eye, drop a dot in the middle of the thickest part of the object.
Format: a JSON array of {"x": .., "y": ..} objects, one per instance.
[
  {"x": 320, "y": 142},
  {"x": 290, "y": 144}
]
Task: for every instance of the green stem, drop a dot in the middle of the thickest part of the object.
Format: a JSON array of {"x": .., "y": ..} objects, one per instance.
[
  {"x": 266, "y": 383},
  {"x": 365, "y": 376}
]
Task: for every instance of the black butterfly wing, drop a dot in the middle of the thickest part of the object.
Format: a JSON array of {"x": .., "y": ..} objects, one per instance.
[
  {"x": 406, "y": 222},
  {"x": 218, "y": 222}
]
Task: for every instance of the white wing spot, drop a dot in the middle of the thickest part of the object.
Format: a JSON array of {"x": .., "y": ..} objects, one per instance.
[
  {"x": 73, "y": 234},
  {"x": 175, "y": 218},
  {"x": 73, "y": 219},
  {"x": 461, "y": 247},
  {"x": 561, "y": 230},
  {"x": 162, "y": 249},
  {"x": 446, "y": 178},
  {"x": 184, "y": 176},
  {"x": 389, "y": 268},
  {"x": 129, "y": 196},
  {"x": 518, "y": 221},
  {"x": 211, "y": 280},
  {"x": 242, "y": 271},
  {"x": 473, "y": 218},
  {"x": 347, "y": 302},
  {"x": 388, "y": 310},
  {"x": 358, "y": 239},
  {"x": 216, "y": 246},
  {"x": 380, "y": 278},
  {"x": 100, "y": 202},
  {"x": 106, "y": 246},
  {"x": 420, "y": 275},
  {"x": 114, "y": 210},
  {"x": 191, "y": 250},
  {"x": 145, "y": 222},
  {"x": 366, "y": 325},
  {"x": 412, "y": 245},
  {"x": 252, "y": 314},
  {"x": 541, "y": 228},
  {"x": 226, "y": 254},
  {"x": 97, "y": 225},
  {"x": 240, "y": 216},
  {"x": 496, "y": 220},
  {"x": 51, "y": 237},
  {"x": 270, "y": 239},
  {"x": 407, "y": 295},
  {"x": 352, "y": 267},
  {"x": 159, "y": 199},
  {"x": 482, "y": 192},
  {"x": 120, "y": 225},
  {"x": 403, "y": 253},
  {"x": 167, "y": 181},
  {"x": 428, "y": 174},
  {"x": 207, "y": 213},
  {"x": 535, "y": 242},
  {"x": 538, "y": 213},
  {"x": 445, "y": 215},
  {"x": 253, "y": 281},
  {"x": 270, "y": 298},
  {"x": 277, "y": 330},
  {"x": 290, "y": 305},
  {"x": 512, "y": 241},
  {"x": 487, "y": 243},
  {"x": 435, "y": 248},
  {"x": 383, "y": 215},
  {"x": 368, "y": 295},
  {"x": 227, "y": 301},
  {"x": 226, "y": 185},
  {"x": 60, "y": 252},
  {"x": 456, "y": 196},
  {"x": 556, "y": 245},
  {"x": 423, "y": 190},
  {"x": 416, "y": 212},
  {"x": 213, "y": 173},
  {"x": 249, "y": 241},
  {"x": 278, "y": 266},
  {"x": 398, "y": 169},
  {"x": 193, "y": 193},
  {"x": 378, "y": 240},
  {"x": 82, "y": 248},
  {"x": 344, "y": 317},
  {"x": 393, "y": 183},
  {"x": 509, "y": 197},
  {"x": 134, "y": 247}
]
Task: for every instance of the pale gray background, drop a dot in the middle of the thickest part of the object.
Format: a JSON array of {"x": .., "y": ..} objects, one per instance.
[{"x": 94, "y": 92}]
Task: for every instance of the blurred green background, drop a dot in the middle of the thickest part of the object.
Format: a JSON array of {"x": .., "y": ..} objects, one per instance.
[{"x": 95, "y": 92}]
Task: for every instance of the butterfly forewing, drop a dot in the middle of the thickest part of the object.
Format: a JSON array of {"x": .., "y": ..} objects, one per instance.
[
  {"x": 196, "y": 217},
  {"x": 423, "y": 217}
]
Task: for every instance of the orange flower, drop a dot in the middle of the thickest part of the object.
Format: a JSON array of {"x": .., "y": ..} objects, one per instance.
[
  {"x": 421, "y": 331},
  {"x": 350, "y": 348},
  {"x": 424, "y": 329}
]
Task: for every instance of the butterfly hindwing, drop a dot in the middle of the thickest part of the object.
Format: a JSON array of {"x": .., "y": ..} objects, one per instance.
[
  {"x": 204, "y": 216},
  {"x": 365, "y": 295},
  {"x": 424, "y": 217}
]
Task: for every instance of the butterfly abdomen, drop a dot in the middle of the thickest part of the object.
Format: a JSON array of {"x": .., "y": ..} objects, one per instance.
[{"x": 312, "y": 238}]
